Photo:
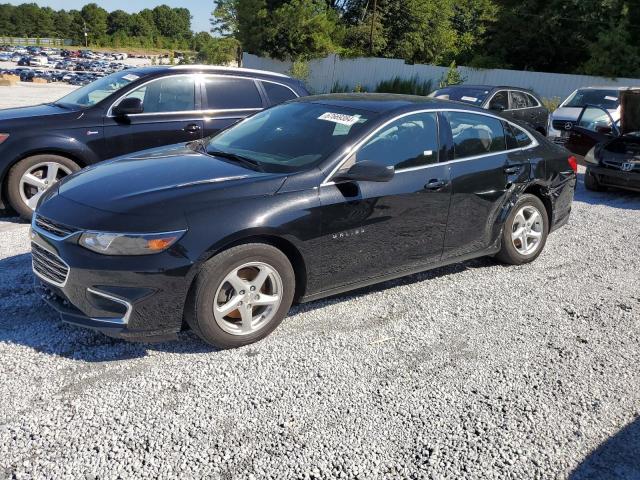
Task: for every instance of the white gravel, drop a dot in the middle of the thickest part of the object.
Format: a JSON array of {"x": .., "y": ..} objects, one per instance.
[{"x": 473, "y": 371}]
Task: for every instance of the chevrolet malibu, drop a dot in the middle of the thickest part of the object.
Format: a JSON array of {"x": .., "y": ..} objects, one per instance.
[{"x": 304, "y": 200}]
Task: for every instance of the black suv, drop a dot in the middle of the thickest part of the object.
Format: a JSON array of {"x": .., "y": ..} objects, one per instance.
[
  {"x": 124, "y": 112},
  {"x": 513, "y": 102}
]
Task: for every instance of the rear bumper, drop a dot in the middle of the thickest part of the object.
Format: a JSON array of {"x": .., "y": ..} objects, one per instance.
[{"x": 609, "y": 177}]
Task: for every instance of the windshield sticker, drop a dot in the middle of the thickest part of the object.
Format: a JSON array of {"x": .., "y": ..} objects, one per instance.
[
  {"x": 613, "y": 99},
  {"x": 340, "y": 118},
  {"x": 131, "y": 77},
  {"x": 469, "y": 99}
]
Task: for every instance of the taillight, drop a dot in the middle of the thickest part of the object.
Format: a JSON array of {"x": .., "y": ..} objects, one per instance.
[
  {"x": 573, "y": 163},
  {"x": 3, "y": 137}
]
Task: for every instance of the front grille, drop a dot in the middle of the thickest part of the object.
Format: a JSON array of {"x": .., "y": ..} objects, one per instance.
[
  {"x": 57, "y": 229},
  {"x": 48, "y": 265},
  {"x": 562, "y": 124},
  {"x": 618, "y": 165}
]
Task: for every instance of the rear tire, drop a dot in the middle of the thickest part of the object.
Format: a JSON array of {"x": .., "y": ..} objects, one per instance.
[
  {"x": 591, "y": 182},
  {"x": 525, "y": 232},
  {"x": 32, "y": 176},
  {"x": 241, "y": 295}
]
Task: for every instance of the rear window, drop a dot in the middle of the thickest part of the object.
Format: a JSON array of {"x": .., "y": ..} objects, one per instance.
[
  {"x": 278, "y": 93},
  {"x": 608, "y": 99},
  {"x": 224, "y": 93}
]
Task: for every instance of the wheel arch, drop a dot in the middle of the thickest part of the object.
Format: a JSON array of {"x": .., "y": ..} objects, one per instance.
[
  {"x": 80, "y": 159},
  {"x": 287, "y": 247},
  {"x": 541, "y": 192}
]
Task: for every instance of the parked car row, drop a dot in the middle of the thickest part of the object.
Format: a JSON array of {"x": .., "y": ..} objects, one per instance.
[{"x": 55, "y": 65}]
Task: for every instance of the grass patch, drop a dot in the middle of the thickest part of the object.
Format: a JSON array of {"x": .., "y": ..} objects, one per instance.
[{"x": 407, "y": 86}]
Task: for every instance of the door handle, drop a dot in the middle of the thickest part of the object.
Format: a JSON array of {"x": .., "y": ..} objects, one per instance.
[
  {"x": 435, "y": 185},
  {"x": 512, "y": 169},
  {"x": 192, "y": 128}
]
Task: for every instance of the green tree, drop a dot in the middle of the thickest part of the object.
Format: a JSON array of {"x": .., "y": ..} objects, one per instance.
[
  {"x": 613, "y": 53},
  {"x": 95, "y": 18}
]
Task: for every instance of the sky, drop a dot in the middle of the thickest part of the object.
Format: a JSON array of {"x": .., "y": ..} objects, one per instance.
[{"x": 200, "y": 9}]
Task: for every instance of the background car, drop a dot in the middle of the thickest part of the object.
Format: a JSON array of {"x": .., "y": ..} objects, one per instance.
[
  {"x": 512, "y": 102},
  {"x": 122, "y": 113},
  {"x": 611, "y": 148},
  {"x": 566, "y": 115},
  {"x": 305, "y": 200}
]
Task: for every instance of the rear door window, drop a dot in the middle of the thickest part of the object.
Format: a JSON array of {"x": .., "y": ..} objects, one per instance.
[
  {"x": 277, "y": 93},
  {"x": 475, "y": 134},
  {"x": 518, "y": 100},
  {"x": 225, "y": 93}
]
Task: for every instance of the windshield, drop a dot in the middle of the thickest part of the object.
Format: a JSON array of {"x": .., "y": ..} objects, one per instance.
[
  {"x": 94, "y": 92},
  {"x": 474, "y": 96},
  {"x": 291, "y": 137},
  {"x": 608, "y": 99}
]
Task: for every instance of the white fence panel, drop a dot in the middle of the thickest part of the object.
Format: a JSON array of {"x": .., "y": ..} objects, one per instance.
[{"x": 368, "y": 72}]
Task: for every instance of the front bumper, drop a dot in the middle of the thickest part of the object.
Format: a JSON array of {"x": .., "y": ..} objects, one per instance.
[
  {"x": 138, "y": 298},
  {"x": 611, "y": 177}
]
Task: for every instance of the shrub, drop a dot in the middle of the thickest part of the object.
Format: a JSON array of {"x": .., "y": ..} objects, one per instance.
[
  {"x": 410, "y": 86},
  {"x": 552, "y": 103}
]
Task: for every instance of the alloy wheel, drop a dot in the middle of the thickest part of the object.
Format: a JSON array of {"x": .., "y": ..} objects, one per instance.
[
  {"x": 527, "y": 230},
  {"x": 38, "y": 179},
  {"x": 248, "y": 298}
]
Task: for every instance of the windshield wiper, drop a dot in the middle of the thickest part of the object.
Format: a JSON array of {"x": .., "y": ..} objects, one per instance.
[
  {"x": 59, "y": 105},
  {"x": 236, "y": 158}
]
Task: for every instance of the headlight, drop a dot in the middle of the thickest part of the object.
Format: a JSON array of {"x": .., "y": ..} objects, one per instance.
[
  {"x": 129, "y": 243},
  {"x": 590, "y": 157}
]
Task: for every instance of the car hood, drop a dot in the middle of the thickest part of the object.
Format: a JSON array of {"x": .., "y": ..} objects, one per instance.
[
  {"x": 572, "y": 114},
  {"x": 33, "y": 111},
  {"x": 165, "y": 180},
  {"x": 629, "y": 111}
]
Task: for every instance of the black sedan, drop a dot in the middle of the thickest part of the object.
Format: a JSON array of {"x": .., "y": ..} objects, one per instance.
[
  {"x": 304, "y": 200},
  {"x": 122, "y": 113},
  {"x": 611, "y": 149},
  {"x": 513, "y": 103}
]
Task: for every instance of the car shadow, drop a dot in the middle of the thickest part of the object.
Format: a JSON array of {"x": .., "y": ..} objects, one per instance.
[
  {"x": 618, "y": 458},
  {"x": 611, "y": 197}
]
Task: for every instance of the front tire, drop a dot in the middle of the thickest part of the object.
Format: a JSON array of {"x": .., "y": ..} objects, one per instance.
[
  {"x": 32, "y": 176},
  {"x": 241, "y": 295},
  {"x": 525, "y": 232}
]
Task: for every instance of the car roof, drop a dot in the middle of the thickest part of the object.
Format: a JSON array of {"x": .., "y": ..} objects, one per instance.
[
  {"x": 259, "y": 74},
  {"x": 489, "y": 87},
  {"x": 610, "y": 87},
  {"x": 384, "y": 102}
]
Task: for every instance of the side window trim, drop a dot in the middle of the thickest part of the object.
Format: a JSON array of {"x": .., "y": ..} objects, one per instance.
[
  {"x": 534, "y": 143},
  {"x": 156, "y": 79}
]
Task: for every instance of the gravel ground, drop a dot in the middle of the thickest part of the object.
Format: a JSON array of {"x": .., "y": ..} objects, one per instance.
[{"x": 471, "y": 371}]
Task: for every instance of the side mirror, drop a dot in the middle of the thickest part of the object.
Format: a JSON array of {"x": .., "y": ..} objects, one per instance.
[
  {"x": 128, "y": 106},
  {"x": 367, "y": 171}
]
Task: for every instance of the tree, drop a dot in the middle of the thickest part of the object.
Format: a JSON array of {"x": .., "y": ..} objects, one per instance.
[
  {"x": 119, "y": 21},
  {"x": 613, "y": 53},
  {"x": 224, "y": 20},
  {"x": 95, "y": 18}
]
